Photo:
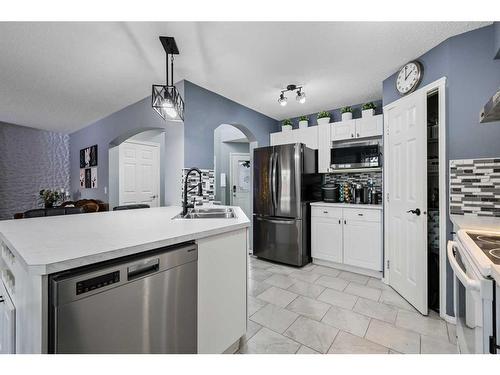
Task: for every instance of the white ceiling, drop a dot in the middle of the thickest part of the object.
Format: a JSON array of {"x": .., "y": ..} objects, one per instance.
[{"x": 64, "y": 76}]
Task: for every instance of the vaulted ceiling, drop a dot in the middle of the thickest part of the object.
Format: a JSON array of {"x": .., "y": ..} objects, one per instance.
[{"x": 64, "y": 76}]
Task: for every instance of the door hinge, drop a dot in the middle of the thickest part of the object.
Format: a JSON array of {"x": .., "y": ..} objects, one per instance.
[{"x": 388, "y": 264}]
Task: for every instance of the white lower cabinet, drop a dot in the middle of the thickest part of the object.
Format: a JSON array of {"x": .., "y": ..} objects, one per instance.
[
  {"x": 7, "y": 323},
  {"x": 349, "y": 236}
]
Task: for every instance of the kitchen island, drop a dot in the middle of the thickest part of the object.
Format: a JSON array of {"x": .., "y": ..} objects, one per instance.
[{"x": 33, "y": 249}]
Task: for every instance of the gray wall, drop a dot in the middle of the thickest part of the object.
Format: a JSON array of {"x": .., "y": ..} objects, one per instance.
[
  {"x": 205, "y": 111},
  {"x": 496, "y": 42},
  {"x": 473, "y": 76},
  {"x": 337, "y": 115},
  {"x": 30, "y": 160}
]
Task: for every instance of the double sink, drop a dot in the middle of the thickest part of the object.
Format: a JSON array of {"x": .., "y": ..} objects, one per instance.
[{"x": 208, "y": 213}]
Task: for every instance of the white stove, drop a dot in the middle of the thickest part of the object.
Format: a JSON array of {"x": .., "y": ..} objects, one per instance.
[{"x": 483, "y": 248}]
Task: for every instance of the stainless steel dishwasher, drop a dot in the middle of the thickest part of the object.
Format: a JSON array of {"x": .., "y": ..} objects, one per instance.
[{"x": 144, "y": 303}]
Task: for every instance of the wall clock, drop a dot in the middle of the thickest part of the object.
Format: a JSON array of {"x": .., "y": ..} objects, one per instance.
[{"x": 409, "y": 77}]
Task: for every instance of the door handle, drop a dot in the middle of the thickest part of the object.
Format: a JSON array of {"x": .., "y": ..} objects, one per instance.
[
  {"x": 153, "y": 196},
  {"x": 416, "y": 211},
  {"x": 142, "y": 269}
]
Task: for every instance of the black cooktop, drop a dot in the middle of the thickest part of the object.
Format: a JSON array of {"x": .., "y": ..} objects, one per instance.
[{"x": 490, "y": 245}]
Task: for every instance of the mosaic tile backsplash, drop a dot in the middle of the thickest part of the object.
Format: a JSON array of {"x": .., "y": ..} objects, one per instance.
[
  {"x": 475, "y": 187},
  {"x": 208, "y": 180},
  {"x": 360, "y": 178}
]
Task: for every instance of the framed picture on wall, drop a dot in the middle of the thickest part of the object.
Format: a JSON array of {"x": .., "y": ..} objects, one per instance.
[
  {"x": 88, "y": 157},
  {"x": 88, "y": 178},
  {"x": 82, "y": 178}
]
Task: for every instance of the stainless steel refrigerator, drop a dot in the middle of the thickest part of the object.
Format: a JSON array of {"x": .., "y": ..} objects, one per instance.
[{"x": 285, "y": 179}]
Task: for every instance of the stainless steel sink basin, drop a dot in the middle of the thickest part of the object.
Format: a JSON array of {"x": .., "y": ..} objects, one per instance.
[{"x": 208, "y": 213}]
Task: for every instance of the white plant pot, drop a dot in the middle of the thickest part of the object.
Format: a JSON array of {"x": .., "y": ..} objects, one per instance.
[
  {"x": 324, "y": 120},
  {"x": 303, "y": 124},
  {"x": 286, "y": 128},
  {"x": 367, "y": 112},
  {"x": 346, "y": 116}
]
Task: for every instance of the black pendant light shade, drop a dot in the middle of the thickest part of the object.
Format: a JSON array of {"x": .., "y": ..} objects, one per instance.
[{"x": 165, "y": 99}]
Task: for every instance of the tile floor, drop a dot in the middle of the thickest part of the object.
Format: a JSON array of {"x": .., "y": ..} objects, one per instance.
[{"x": 317, "y": 309}]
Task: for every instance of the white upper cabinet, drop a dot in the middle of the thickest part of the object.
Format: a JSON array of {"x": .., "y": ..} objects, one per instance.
[
  {"x": 369, "y": 126},
  {"x": 343, "y": 130},
  {"x": 308, "y": 136},
  {"x": 324, "y": 146}
]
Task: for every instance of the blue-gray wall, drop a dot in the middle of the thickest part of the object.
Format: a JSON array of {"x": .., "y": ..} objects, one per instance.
[
  {"x": 30, "y": 160},
  {"x": 496, "y": 42},
  {"x": 336, "y": 114},
  {"x": 473, "y": 76},
  {"x": 205, "y": 111}
]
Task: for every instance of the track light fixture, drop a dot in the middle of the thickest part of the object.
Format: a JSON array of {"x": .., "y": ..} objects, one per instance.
[{"x": 301, "y": 95}]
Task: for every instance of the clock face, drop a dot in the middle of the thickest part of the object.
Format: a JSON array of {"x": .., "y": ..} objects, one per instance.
[{"x": 409, "y": 77}]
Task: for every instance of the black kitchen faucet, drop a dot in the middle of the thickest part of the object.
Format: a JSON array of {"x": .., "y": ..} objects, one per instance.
[{"x": 185, "y": 205}]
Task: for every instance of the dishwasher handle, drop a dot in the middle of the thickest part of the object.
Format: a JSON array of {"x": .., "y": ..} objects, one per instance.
[{"x": 143, "y": 268}]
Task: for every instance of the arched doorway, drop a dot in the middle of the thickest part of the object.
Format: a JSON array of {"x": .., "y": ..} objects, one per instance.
[{"x": 136, "y": 168}]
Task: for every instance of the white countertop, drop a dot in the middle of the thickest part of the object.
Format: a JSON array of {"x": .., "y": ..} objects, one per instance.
[
  {"x": 57, "y": 243},
  {"x": 495, "y": 273},
  {"x": 476, "y": 222},
  {"x": 348, "y": 205}
]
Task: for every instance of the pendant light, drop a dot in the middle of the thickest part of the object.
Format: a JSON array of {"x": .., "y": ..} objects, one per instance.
[{"x": 165, "y": 99}]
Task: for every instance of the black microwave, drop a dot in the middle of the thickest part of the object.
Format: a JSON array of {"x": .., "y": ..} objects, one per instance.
[{"x": 356, "y": 155}]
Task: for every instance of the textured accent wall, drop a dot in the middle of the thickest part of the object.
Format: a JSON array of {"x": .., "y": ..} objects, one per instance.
[{"x": 30, "y": 160}]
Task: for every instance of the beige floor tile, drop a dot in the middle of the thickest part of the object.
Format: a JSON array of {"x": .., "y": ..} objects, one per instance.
[
  {"x": 336, "y": 298},
  {"x": 254, "y": 305},
  {"x": 281, "y": 270},
  {"x": 306, "y": 276},
  {"x": 452, "y": 333},
  {"x": 356, "y": 277},
  {"x": 252, "y": 329},
  {"x": 347, "y": 320},
  {"x": 311, "y": 333},
  {"x": 277, "y": 296},
  {"x": 434, "y": 345},
  {"x": 258, "y": 274},
  {"x": 305, "y": 350},
  {"x": 376, "y": 310},
  {"x": 377, "y": 283},
  {"x": 281, "y": 281},
  {"x": 268, "y": 342},
  {"x": 387, "y": 335},
  {"x": 326, "y": 271},
  {"x": 332, "y": 282},
  {"x": 308, "y": 267},
  {"x": 345, "y": 343},
  {"x": 390, "y": 297},
  {"x": 363, "y": 291},
  {"x": 256, "y": 287},
  {"x": 306, "y": 289},
  {"x": 274, "y": 317},
  {"x": 422, "y": 324},
  {"x": 309, "y": 307}
]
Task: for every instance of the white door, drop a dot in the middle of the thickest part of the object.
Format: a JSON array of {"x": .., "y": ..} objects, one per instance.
[
  {"x": 139, "y": 173},
  {"x": 369, "y": 126},
  {"x": 343, "y": 130},
  {"x": 240, "y": 182},
  {"x": 7, "y": 323},
  {"x": 406, "y": 189},
  {"x": 363, "y": 244},
  {"x": 326, "y": 239}
]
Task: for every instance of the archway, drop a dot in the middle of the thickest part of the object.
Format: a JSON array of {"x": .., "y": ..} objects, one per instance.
[{"x": 131, "y": 156}]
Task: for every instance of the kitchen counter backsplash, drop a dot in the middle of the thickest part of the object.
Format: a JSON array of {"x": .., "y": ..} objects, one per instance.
[
  {"x": 358, "y": 178},
  {"x": 208, "y": 180},
  {"x": 475, "y": 187}
]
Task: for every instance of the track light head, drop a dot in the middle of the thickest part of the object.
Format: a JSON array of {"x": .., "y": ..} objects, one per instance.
[
  {"x": 282, "y": 100},
  {"x": 301, "y": 96}
]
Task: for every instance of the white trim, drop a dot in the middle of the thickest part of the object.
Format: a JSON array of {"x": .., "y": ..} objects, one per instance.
[
  {"x": 349, "y": 268},
  {"x": 145, "y": 143},
  {"x": 439, "y": 85}
]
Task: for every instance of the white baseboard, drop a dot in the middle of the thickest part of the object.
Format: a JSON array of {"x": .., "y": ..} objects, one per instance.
[{"x": 346, "y": 267}]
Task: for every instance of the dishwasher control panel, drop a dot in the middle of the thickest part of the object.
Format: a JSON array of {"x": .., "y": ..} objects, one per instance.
[{"x": 97, "y": 282}]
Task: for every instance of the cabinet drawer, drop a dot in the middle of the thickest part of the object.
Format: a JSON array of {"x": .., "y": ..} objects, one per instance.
[
  {"x": 363, "y": 214},
  {"x": 326, "y": 211}
]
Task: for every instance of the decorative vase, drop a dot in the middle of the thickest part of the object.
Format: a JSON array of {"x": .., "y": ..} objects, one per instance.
[
  {"x": 346, "y": 116},
  {"x": 323, "y": 120},
  {"x": 286, "y": 128},
  {"x": 303, "y": 124},
  {"x": 367, "y": 112}
]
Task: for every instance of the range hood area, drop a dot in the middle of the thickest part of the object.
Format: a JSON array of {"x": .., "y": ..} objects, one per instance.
[{"x": 491, "y": 110}]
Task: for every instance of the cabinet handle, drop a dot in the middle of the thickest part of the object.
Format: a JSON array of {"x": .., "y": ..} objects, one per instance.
[
  {"x": 352, "y": 135},
  {"x": 345, "y": 222},
  {"x": 340, "y": 221},
  {"x": 360, "y": 214},
  {"x": 1, "y": 299},
  {"x": 358, "y": 135},
  {"x": 325, "y": 212}
]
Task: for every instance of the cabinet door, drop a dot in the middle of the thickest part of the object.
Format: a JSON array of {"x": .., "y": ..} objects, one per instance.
[
  {"x": 324, "y": 147},
  {"x": 307, "y": 136},
  {"x": 326, "y": 239},
  {"x": 343, "y": 130},
  {"x": 369, "y": 126},
  {"x": 363, "y": 244},
  {"x": 282, "y": 138},
  {"x": 7, "y": 323}
]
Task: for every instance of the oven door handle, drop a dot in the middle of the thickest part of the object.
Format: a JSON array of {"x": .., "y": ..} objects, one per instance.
[{"x": 459, "y": 272}]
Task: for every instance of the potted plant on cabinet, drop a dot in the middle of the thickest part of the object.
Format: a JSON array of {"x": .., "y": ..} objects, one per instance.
[
  {"x": 323, "y": 117},
  {"x": 49, "y": 197},
  {"x": 368, "y": 109},
  {"x": 286, "y": 125},
  {"x": 346, "y": 113},
  {"x": 303, "y": 122}
]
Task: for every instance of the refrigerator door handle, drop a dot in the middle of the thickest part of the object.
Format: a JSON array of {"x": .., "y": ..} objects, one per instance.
[
  {"x": 271, "y": 180},
  {"x": 276, "y": 221},
  {"x": 274, "y": 183}
]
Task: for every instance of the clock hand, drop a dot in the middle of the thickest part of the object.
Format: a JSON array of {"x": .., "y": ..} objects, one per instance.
[{"x": 407, "y": 75}]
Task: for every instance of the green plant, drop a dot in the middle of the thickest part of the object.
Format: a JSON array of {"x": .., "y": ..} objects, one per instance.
[
  {"x": 287, "y": 122},
  {"x": 368, "y": 105},
  {"x": 49, "y": 197},
  {"x": 304, "y": 118},
  {"x": 324, "y": 114},
  {"x": 346, "y": 109}
]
